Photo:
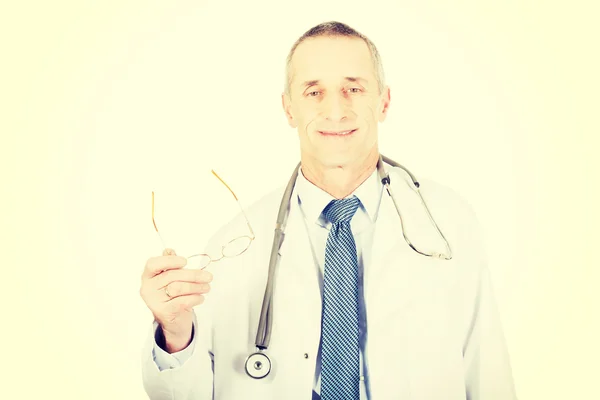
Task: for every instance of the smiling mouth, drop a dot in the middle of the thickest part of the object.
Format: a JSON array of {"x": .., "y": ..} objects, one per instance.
[{"x": 338, "y": 133}]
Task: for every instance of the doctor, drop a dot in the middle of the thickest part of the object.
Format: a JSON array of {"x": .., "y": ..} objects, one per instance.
[{"x": 357, "y": 312}]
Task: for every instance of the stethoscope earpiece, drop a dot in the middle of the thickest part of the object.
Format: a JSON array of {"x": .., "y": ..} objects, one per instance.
[{"x": 258, "y": 365}]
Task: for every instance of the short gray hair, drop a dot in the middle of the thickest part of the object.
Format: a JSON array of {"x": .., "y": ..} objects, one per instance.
[{"x": 332, "y": 29}]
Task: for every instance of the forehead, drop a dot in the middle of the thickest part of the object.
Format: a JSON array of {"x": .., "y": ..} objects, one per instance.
[{"x": 331, "y": 58}]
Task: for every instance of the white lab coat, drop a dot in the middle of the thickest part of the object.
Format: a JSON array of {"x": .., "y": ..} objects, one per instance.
[{"x": 433, "y": 327}]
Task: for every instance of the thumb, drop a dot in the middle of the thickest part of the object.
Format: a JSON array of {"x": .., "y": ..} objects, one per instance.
[{"x": 169, "y": 252}]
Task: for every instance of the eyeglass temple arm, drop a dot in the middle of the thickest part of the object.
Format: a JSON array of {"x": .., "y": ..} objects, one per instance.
[
  {"x": 154, "y": 223},
  {"x": 238, "y": 202}
]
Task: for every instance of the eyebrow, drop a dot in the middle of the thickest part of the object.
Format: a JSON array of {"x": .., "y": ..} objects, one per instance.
[{"x": 348, "y": 78}]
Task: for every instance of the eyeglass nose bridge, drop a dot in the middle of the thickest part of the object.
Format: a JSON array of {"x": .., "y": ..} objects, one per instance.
[
  {"x": 209, "y": 259},
  {"x": 223, "y": 255}
]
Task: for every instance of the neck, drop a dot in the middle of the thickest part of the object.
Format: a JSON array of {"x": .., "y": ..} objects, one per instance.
[{"x": 340, "y": 180}]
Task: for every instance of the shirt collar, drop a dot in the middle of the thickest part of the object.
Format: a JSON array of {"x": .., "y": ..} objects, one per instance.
[{"x": 314, "y": 199}]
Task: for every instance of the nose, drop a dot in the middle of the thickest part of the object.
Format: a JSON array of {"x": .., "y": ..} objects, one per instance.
[{"x": 335, "y": 107}]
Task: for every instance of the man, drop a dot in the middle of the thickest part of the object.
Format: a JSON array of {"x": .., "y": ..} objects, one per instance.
[{"x": 357, "y": 313}]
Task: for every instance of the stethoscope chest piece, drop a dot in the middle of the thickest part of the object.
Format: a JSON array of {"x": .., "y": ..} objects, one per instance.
[{"x": 258, "y": 365}]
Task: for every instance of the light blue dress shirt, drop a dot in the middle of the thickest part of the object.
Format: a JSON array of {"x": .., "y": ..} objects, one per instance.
[{"x": 312, "y": 200}]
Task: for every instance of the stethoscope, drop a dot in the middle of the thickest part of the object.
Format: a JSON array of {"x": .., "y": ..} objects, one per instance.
[{"x": 258, "y": 364}]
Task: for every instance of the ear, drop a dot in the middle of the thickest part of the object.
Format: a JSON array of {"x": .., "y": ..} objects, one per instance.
[
  {"x": 287, "y": 109},
  {"x": 384, "y": 104}
]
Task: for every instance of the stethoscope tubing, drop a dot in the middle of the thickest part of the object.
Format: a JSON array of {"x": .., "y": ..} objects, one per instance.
[{"x": 259, "y": 360}]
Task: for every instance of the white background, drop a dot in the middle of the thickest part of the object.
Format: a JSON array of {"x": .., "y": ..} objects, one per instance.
[{"x": 105, "y": 102}]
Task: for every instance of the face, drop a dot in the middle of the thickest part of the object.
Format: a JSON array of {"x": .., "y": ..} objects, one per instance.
[{"x": 334, "y": 101}]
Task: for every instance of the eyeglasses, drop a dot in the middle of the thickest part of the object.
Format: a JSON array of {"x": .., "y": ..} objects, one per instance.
[{"x": 233, "y": 248}]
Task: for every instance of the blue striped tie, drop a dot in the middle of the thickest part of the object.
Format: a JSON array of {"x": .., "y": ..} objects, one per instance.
[{"x": 340, "y": 369}]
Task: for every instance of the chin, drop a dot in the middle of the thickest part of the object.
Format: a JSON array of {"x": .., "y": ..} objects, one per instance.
[{"x": 337, "y": 159}]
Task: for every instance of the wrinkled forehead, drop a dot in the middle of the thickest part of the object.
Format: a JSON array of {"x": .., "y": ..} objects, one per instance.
[{"x": 330, "y": 60}]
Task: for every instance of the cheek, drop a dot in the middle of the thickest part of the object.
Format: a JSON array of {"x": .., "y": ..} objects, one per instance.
[
  {"x": 306, "y": 119},
  {"x": 372, "y": 108}
]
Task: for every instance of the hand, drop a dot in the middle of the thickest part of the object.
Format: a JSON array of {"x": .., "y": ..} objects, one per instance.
[{"x": 171, "y": 292}]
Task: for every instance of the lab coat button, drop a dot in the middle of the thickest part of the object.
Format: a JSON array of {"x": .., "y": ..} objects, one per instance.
[{"x": 305, "y": 355}]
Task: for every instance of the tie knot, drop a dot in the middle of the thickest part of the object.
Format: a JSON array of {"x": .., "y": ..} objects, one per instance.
[{"x": 341, "y": 210}]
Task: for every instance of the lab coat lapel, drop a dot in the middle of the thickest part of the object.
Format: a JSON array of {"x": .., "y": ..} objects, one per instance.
[
  {"x": 297, "y": 304},
  {"x": 393, "y": 261},
  {"x": 380, "y": 270},
  {"x": 387, "y": 240},
  {"x": 301, "y": 272}
]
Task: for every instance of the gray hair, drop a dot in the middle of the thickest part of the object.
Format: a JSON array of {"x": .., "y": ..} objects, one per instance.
[{"x": 332, "y": 29}]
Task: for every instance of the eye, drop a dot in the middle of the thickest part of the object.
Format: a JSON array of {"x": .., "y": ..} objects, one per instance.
[
  {"x": 310, "y": 94},
  {"x": 355, "y": 90}
]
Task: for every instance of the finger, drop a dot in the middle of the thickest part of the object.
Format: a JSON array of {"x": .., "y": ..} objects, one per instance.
[
  {"x": 185, "y": 303},
  {"x": 156, "y": 265},
  {"x": 169, "y": 252},
  {"x": 192, "y": 301},
  {"x": 178, "y": 289},
  {"x": 181, "y": 275}
]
